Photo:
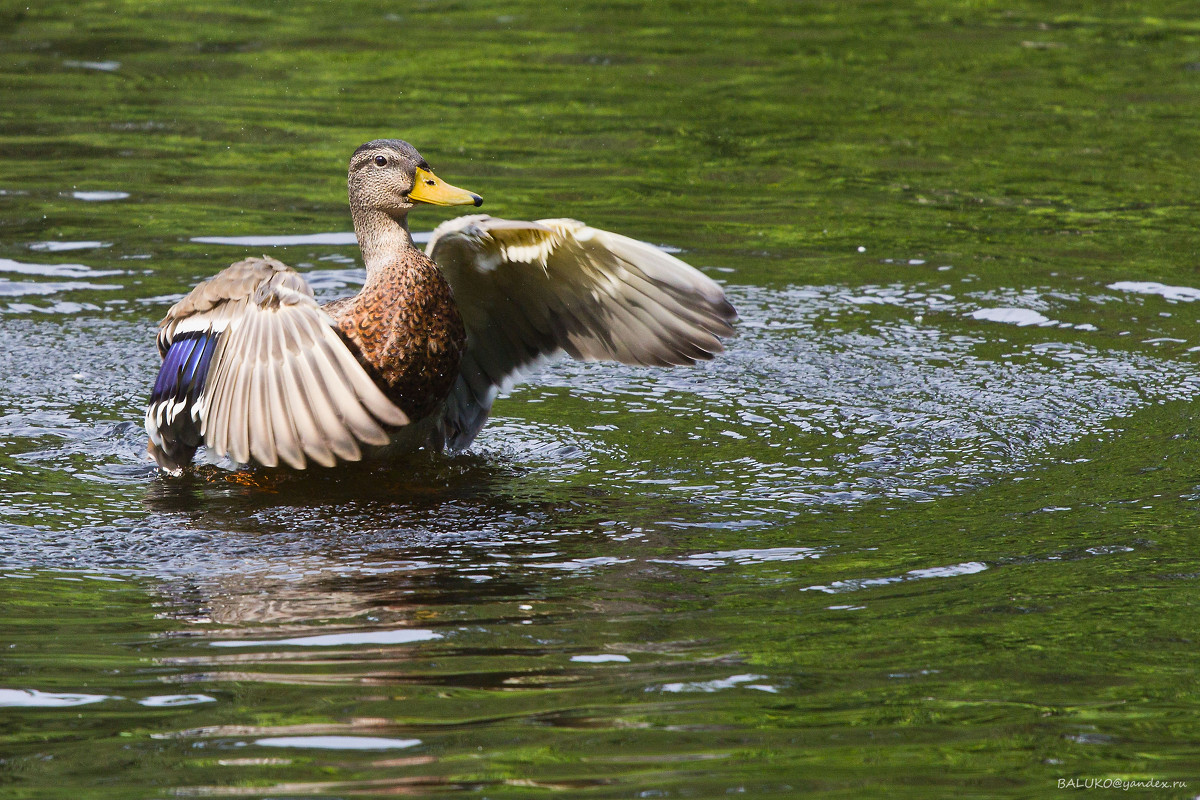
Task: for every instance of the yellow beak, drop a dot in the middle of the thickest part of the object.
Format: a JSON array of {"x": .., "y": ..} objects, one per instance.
[{"x": 428, "y": 188}]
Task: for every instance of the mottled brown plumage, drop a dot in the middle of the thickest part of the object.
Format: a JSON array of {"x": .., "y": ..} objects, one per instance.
[
  {"x": 254, "y": 369},
  {"x": 405, "y": 329}
]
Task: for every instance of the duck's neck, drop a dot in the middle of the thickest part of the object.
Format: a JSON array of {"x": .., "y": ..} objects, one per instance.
[{"x": 385, "y": 243}]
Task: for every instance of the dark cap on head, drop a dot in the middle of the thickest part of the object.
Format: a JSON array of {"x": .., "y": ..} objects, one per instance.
[{"x": 399, "y": 145}]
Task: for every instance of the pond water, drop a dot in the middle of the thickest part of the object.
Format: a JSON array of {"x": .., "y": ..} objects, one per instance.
[{"x": 928, "y": 528}]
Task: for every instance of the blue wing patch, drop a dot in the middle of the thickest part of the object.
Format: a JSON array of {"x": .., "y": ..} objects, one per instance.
[{"x": 185, "y": 367}]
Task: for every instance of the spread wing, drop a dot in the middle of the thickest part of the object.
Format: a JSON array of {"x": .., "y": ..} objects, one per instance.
[
  {"x": 254, "y": 369},
  {"x": 527, "y": 290}
]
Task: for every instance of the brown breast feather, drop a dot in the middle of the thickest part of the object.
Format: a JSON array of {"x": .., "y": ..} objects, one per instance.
[{"x": 406, "y": 331}]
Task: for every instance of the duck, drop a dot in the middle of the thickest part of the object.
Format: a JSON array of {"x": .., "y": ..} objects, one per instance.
[{"x": 256, "y": 370}]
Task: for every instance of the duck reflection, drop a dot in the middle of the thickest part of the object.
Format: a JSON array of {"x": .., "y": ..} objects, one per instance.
[
  {"x": 316, "y": 593},
  {"x": 289, "y": 549},
  {"x": 374, "y": 618}
]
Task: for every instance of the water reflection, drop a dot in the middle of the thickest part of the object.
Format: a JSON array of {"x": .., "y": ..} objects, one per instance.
[
  {"x": 341, "y": 238},
  {"x": 337, "y": 742},
  {"x": 31, "y": 698},
  {"x": 100, "y": 196},
  {"x": 1171, "y": 293},
  {"x": 62, "y": 247},
  {"x": 56, "y": 270},
  {"x": 100, "y": 66},
  {"x": 404, "y": 636},
  {"x": 172, "y": 700}
]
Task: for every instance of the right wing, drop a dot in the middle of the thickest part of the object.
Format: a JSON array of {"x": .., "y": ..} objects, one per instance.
[
  {"x": 527, "y": 290},
  {"x": 254, "y": 369}
]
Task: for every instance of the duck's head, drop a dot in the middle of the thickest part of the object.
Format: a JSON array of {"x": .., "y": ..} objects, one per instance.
[{"x": 390, "y": 175}]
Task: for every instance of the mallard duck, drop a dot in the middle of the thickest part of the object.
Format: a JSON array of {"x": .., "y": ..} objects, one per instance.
[{"x": 254, "y": 369}]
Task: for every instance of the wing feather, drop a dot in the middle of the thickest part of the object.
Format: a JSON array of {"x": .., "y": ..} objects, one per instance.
[
  {"x": 299, "y": 394},
  {"x": 528, "y": 290},
  {"x": 216, "y": 415},
  {"x": 312, "y": 440},
  {"x": 325, "y": 414},
  {"x": 262, "y": 436},
  {"x": 355, "y": 419},
  {"x": 280, "y": 384},
  {"x": 239, "y": 424},
  {"x": 287, "y": 441}
]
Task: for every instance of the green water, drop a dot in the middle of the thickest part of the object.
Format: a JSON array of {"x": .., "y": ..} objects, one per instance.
[{"x": 893, "y": 543}]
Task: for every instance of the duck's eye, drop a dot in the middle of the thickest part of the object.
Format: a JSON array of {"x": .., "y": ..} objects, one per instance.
[{"x": 380, "y": 161}]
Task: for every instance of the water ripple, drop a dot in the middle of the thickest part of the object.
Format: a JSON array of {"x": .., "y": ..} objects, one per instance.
[{"x": 824, "y": 399}]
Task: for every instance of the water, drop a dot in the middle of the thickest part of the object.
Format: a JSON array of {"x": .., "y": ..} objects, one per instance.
[{"x": 926, "y": 529}]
